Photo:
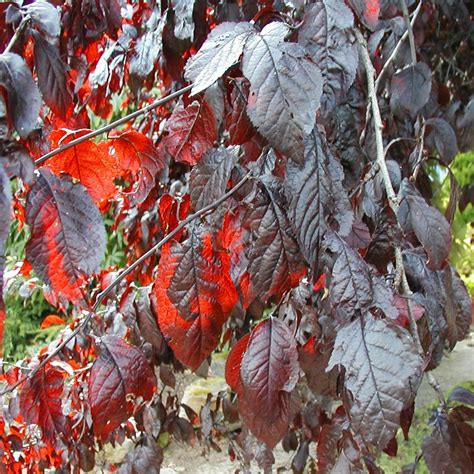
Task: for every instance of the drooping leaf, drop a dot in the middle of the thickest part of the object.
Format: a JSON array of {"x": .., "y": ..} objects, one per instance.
[
  {"x": 275, "y": 263},
  {"x": 147, "y": 457},
  {"x": 410, "y": 89},
  {"x": 190, "y": 132},
  {"x": 430, "y": 226},
  {"x": 234, "y": 363},
  {"x": 285, "y": 89},
  {"x": 383, "y": 371},
  {"x": 67, "y": 241},
  {"x": 120, "y": 373},
  {"x": 138, "y": 160},
  {"x": 326, "y": 37},
  {"x": 237, "y": 121},
  {"x": 208, "y": 179},
  {"x": 269, "y": 372},
  {"x": 51, "y": 320},
  {"x": 447, "y": 448},
  {"x": 350, "y": 288},
  {"x": 5, "y": 217},
  {"x": 41, "y": 404},
  {"x": 24, "y": 101},
  {"x": 52, "y": 77},
  {"x": 220, "y": 51},
  {"x": 86, "y": 162},
  {"x": 148, "y": 47},
  {"x": 45, "y": 16},
  {"x": 442, "y": 137},
  {"x": 317, "y": 198},
  {"x": 194, "y": 296}
]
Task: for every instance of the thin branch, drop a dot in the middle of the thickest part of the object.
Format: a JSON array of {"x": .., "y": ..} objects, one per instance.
[
  {"x": 396, "y": 50},
  {"x": 113, "y": 125},
  {"x": 411, "y": 38},
  {"x": 393, "y": 202},
  {"x": 18, "y": 32},
  {"x": 101, "y": 296}
]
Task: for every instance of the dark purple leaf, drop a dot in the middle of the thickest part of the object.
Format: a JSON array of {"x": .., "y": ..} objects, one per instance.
[
  {"x": 440, "y": 135},
  {"x": 24, "y": 101},
  {"x": 269, "y": 373},
  {"x": 45, "y": 17},
  {"x": 148, "y": 47},
  {"x": 144, "y": 458},
  {"x": 350, "y": 284},
  {"x": 275, "y": 263},
  {"x": 52, "y": 77},
  {"x": 220, "y": 51},
  {"x": 462, "y": 395},
  {"x": 120, "y": 373},
  {"x": 285, "y": 89},
  {"x": 208, "y": 179},
  {"x": 317, "y": 199},
  {"x": 410, "y": 89},
  {"x": 17, "y": 162},
  {"x": 447, "y": 448},
  {"x": 382, "y": 373},
  {"x": 430, "y": 226},
  {"x": 326, "y": 35}
]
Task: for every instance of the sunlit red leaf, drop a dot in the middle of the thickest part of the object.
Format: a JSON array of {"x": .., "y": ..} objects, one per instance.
[
  {"x": 41, "y": 404},
  {"x": 86, "y": 162},
  {"x": 67, "y": 241},
  {"x": 234, "y": 363},
  {"x": 190, "y": 132},
  {"x": 51, "y": 320},
  {"x": 138, "y": 160},
  {"x": 121, "y": 373},
  {"x": 194, "y": 296}
]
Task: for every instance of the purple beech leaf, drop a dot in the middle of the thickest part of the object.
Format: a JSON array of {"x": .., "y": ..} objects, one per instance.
[
  {"x": 441, "y": 136},
  {"x": 24, "y": 101},
  {"x": 183, "y": 19},
  {"x": 317, "y": 198},
  {"x": 52, "y": 76},
  {"x": 45, "y": 16},
  {"x": 148, "y": 47},
  {"x": 67, "y": 241},
  {"x": 350, "y": 286},
  {"x": 220, "y": 51},
  {"x": 269, "y": 373},
  {"x": 285, "y": 89},
  {"x": 326, "y": 37},
  {"x": 429, "y": 225},
  {"x": 208, "y": 179},
  {"x": 410, "y": 89},
  {"x": 275, "y": 263},
  {"x": 382, "y": 372}
]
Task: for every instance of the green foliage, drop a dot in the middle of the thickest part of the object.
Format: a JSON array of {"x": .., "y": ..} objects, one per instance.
[{"x": 462, "y": 251}]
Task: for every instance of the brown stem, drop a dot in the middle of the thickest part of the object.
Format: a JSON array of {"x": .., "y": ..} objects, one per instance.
[
  {"x": 18, "y": 32},
  {"x": 400, "y": 275},
  {"x": 396, "y": 50},
  {"x": 113, "y": 125},
  {"x": 411, "y": 38},
  {"x": 124, "y": 273}
]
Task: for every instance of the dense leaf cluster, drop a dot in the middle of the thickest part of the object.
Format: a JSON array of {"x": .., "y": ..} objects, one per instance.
[{"x": 277, "y": 203}]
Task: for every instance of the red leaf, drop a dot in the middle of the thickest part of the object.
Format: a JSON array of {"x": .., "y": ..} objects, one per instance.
[
  {"x": 67, "y": 241},
  {"x": 269, "y": 373},
  {"x": 120, "y": 371},
  {"x": 237, "y": 121},
  {"x": 41, "y": 404},
  {"x": 371, "y": 12},
  {"x": 86, "y": 162},
  {"x": 138, "y": 160},
  {"x": 51, "y": 320},
  {"x": 190, "y": 132},
  {"x": 194, "y": 296}
]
